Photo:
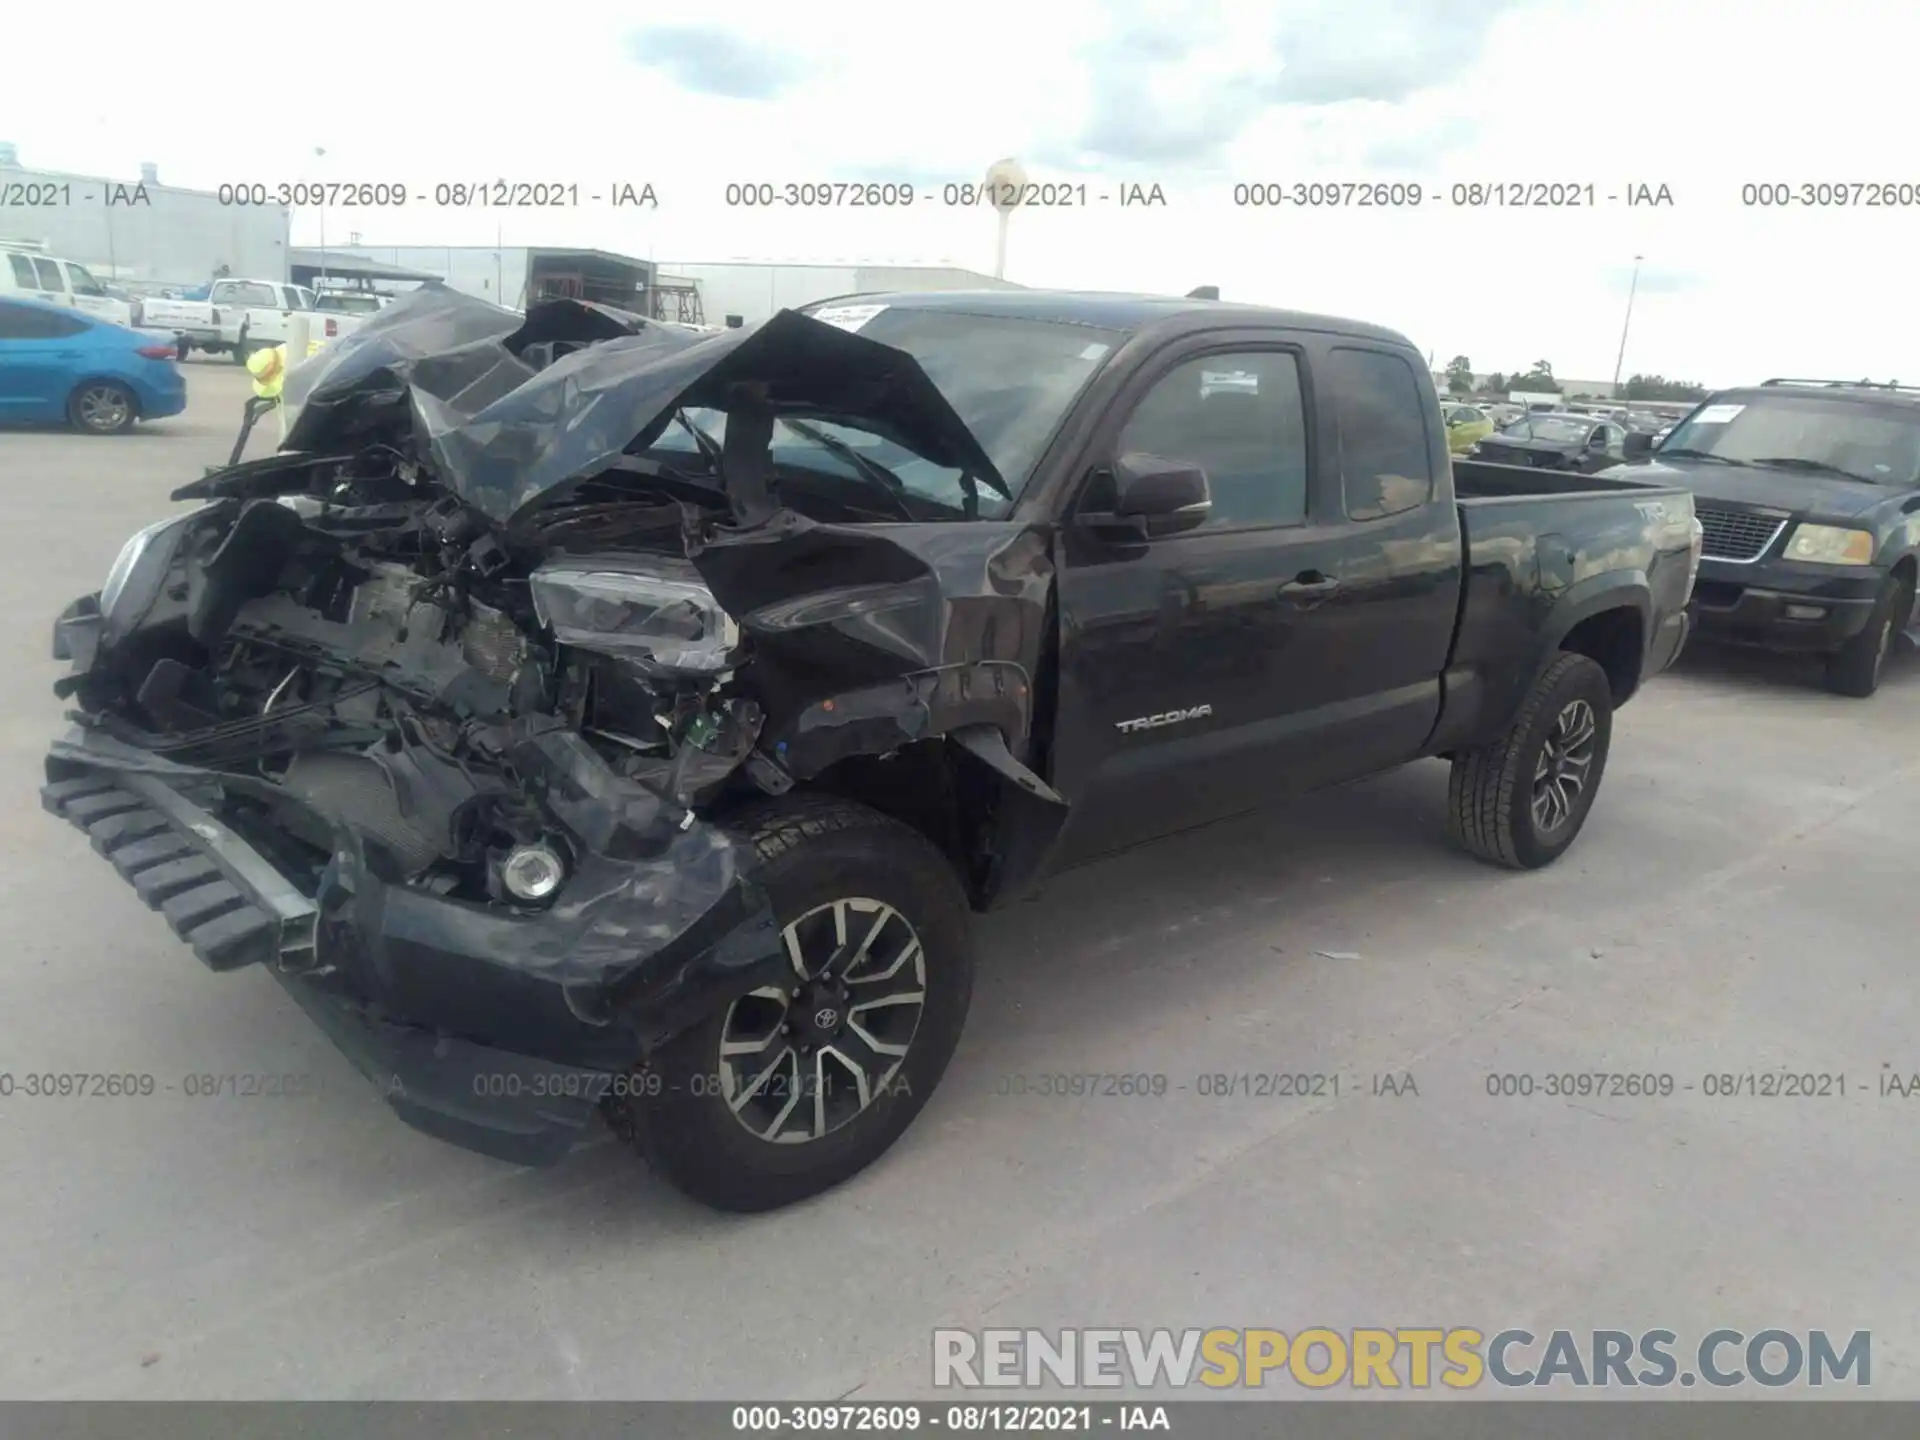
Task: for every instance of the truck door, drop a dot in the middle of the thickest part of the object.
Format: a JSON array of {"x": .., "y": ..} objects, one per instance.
[
  {"x": 1173, "y": 671},
  {"x": 1311, "y": 616},
  {"x": 1364, "y": 683}
]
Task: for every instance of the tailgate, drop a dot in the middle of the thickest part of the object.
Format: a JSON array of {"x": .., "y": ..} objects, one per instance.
[{"x": 181, "y": 313}]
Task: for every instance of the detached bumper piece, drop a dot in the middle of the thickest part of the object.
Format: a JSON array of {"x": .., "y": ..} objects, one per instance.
[{"x": 215, "y": 891}]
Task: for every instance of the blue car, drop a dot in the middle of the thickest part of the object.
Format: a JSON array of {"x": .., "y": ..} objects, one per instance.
[{"x": 61, "y": 364}]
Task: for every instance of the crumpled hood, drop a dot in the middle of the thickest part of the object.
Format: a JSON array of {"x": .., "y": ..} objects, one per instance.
[{"x": 510, "y": 408}]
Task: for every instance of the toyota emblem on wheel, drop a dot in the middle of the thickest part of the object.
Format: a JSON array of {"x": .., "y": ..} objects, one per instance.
[{"x": 825, "y": 1018}]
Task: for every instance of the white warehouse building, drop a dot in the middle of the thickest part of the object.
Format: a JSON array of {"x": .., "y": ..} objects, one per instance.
[
  {"x": 700, "y": 291},
  {"x": 136, "y": 228}
]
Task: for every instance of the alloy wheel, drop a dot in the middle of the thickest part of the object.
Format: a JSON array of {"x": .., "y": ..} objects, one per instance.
[
  {"x": 102, "y": 407},
  {"x": 1566, "y": 757},
  {"x": 801, "y": 1059}
]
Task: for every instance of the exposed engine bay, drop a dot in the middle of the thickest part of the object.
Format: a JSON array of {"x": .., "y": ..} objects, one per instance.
[{"x": 377, "y": 655}]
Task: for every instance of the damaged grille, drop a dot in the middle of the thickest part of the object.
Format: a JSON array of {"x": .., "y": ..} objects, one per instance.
[{"x": 1737, "y": 535}]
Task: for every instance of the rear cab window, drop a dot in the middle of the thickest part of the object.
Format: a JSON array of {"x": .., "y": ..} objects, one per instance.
[
  {"x": 48, "y": 272},
  {"x": 1382, "y": 449},
  {"x": 247, "y": 293},
  {"x": 23, "y": 275}
]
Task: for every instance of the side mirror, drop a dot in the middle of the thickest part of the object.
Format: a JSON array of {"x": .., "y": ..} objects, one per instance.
[
  {"x": 1151, "y": 496},
  {"x": 1637, "y": 444}
]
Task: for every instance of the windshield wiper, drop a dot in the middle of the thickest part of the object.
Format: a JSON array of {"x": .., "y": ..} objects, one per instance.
[
  {"x": 868, "y": 468},
  {"x": 1811, "y": 467},
  {"x": 1667, "y": 450},
  {"x": 709, "y": 447}
]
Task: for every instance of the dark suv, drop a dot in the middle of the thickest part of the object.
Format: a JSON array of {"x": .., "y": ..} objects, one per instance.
[{"x": 1809, "y": 495}]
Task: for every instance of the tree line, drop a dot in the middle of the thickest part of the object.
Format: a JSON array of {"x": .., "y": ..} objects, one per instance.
[{"x": 1539, "y": 377}]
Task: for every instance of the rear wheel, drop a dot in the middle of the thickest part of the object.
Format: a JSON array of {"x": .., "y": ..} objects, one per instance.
[
  {"x": 1855, "y": 668},
  {"x": 102, "y": 407},
  {"x": 800, "y": 1085},
  {"x": 1520, "y": 801}
]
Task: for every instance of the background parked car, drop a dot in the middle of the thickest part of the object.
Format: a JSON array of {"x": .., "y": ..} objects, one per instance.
[
  {"x": 1563, "y": 441},
  {"x": 58, "y": 363},
  {"x": 351, "y": 302},
  {"x": 1808, "y": 493},
  {"x": 29, "y": 273},
  {"x": 1467, "y": 426}
]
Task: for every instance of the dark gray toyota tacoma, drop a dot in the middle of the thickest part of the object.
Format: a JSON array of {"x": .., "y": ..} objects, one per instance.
[{"x": 582, "y": 714}]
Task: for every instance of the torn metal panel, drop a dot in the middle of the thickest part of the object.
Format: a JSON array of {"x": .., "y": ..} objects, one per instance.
[
  {"x": 842, "y": 610},
  {"x": 1027, "y": 815}
]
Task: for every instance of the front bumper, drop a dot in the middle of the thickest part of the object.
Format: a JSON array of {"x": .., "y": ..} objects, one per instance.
[
  {"x": 495, "y": 1031},
  {"x": 1783, "y": 604}
]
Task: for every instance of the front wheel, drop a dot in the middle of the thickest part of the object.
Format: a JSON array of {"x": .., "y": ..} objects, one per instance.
[
  {"x": 1854, "y": 670},
  {"x": 101, "y": 407},
  {"x": 1520, "y": 801},
  {"x": 801, "y": 1084}
]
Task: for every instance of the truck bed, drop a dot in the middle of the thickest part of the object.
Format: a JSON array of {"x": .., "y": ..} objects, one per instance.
[
  {"x": 1489, "y": 480},
  {"x": 1540, "y": 539}
]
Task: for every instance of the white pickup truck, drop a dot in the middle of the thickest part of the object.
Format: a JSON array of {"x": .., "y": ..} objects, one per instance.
[{"x": 241, "y": 316}]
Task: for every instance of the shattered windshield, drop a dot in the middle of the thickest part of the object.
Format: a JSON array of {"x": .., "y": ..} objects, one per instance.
[
  {"x": 1010, "y": 380},
  {"x": 1876, "y": 443}
]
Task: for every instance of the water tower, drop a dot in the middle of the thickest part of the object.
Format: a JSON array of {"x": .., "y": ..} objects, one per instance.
[{"x": 1005, "y": 181}]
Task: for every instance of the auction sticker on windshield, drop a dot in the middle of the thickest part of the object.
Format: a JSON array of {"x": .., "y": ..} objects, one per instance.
[
  {"x": 1717, "y": 414},
  {"x": 846, "y": 317}
]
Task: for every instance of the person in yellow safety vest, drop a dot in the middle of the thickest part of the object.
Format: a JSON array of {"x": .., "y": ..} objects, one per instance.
[{"x": 269, "y": 370}]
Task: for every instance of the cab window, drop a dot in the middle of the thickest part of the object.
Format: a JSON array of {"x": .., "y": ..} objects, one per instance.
[
  {"x": 1380, "y": 418},
  {"x": 1240, "y": 418},
  {"x": 23, "y": 272},
  {"x": 49, "y": 275},
  {"x": 83, "y": 281},
  {"x": 246, "y": 292}
]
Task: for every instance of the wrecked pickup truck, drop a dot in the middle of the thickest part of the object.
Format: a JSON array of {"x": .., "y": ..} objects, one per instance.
[{"x": 582, "y": 714}]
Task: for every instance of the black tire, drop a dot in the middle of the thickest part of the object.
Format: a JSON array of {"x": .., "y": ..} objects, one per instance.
[
  {"x": 1854, "y": 670},
  {"x": 102, "y": 407},
  {"x": 810, "y": 851},
  {"x": 1491, "y": 809}
]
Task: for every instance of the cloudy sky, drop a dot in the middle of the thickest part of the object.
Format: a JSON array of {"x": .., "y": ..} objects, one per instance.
[{"x": 1195, "y": 96}]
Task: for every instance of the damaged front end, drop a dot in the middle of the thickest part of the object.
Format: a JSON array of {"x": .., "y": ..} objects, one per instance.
[{"x": 439, "y": 713}]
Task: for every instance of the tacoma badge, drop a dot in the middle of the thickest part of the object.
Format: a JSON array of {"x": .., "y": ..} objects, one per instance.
[{"x": 1170, "y": 717}]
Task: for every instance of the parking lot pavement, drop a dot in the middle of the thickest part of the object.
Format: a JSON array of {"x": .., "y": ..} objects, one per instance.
[{"x": 1741, "y": 901}]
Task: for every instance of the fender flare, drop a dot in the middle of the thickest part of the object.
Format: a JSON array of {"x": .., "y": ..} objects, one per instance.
[{"x": 1580, "y": 602}]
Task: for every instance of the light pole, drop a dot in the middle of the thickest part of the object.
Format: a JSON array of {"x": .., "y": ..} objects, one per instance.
[
  {"x": 320, "y": 153},
  {"x": 1621, "y": 359}
]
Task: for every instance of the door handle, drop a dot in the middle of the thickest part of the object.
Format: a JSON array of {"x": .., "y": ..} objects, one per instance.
[{"x": 1308, "y": 588}]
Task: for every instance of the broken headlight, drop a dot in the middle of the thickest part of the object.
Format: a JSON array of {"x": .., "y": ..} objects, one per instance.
[
  {"x": 139, "y": 571},
  {"x": 660, "y": 614}
]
